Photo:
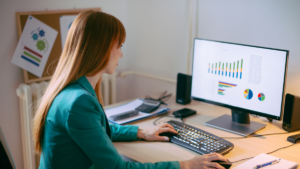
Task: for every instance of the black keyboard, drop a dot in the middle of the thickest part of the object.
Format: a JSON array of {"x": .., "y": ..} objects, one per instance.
[{"x": 198, "y": 140}]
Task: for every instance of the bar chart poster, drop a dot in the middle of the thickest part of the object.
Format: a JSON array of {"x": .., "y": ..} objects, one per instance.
[
  {"x": 31, "y": 56},
  {"x": 261, "y": 97},
  {"x": 248, "y": 94},
  {"x": 34, "y": 46},
  {"x": 223, "y": 86},
  {"x": 224, "y": 69}
]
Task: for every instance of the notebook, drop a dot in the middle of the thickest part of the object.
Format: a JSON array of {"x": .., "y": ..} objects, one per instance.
[
  {"x": 131, "y": 106},
  {"x": 263, "y": 158}
]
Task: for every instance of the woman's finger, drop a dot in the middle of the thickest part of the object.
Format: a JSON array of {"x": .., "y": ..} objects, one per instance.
[
  {"x": 215, "y": 165},
  {"x": 162, "y": 138},
  {"x": 162, "y": 130},
  {"x": 167, "y": 125},
  {"x": 217, "y": 156},
  {"x": 211, "y": 154}
]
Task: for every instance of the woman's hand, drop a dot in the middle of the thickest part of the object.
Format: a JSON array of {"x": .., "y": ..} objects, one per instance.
[
  {"x": 152, "y": 134},
  {"x": 203, "y": 162}
]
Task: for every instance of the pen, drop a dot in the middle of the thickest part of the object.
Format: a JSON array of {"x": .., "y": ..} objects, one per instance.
[{"x": 267, "y": 163}]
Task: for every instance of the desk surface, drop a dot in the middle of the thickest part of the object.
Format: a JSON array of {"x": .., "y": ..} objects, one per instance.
[{"x": 144, "y": 151}]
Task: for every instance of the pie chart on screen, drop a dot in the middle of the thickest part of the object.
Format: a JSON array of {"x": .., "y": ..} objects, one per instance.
[
  {"x": 261, "y": 97},
  {"x": 248, "y": 94}
]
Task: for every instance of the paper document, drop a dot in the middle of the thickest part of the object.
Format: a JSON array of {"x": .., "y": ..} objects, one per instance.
[
  {"x": 65, "y": 22},
  {"x": 34, "y": 46},
  {"x": 263, "y": 158},
  {"x": 131, "y": 106}
]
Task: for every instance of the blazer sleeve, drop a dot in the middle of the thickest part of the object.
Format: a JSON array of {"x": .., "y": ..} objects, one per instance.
[
  {"x": 119, "y": 132},
  {"x": 85, "y": 128}
]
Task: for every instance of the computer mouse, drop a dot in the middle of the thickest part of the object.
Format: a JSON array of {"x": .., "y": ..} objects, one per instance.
[
  {"x": 224, "y": 164},
  {"x": 294, "y": 138},
  {"x": 168, "y": 134}
]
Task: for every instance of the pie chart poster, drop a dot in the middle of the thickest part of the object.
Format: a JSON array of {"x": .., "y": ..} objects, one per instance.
[{"x": 34, "y": 46}]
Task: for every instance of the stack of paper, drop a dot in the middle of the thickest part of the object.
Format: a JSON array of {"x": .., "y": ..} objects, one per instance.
[{"x": 131, "y": 106}]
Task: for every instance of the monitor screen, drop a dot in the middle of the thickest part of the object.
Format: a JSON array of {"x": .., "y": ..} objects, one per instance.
[{"x": 248, "y": 78}]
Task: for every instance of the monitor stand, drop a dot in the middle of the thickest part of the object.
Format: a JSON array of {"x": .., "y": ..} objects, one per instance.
[{"x": 239, "y": 123}]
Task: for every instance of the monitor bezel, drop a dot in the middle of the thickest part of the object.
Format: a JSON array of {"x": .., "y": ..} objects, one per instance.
[{"x": 239, "y": 108}]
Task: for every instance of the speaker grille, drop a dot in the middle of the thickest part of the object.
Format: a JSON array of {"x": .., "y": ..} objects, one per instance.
[
  {"x": 181, "y": 85},
  {"x": 183, "y": 92},
  {"x": 288, "y": 108}
]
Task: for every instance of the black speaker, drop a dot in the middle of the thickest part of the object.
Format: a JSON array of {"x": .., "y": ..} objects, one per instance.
[
  {"x": 291, "y": 118},
  {"x": 183, "y": 92}
]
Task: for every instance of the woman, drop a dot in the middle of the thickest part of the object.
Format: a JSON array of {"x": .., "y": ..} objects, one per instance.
[{"x": 70, "y": 127}]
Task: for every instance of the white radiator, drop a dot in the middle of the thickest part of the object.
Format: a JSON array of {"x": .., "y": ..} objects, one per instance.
[{"x": 28, "y": 96}]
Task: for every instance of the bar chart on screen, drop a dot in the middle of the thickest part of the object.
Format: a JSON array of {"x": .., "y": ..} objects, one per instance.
[
  {"x": 223, "y": 86},
  {"x": 224, "y": 69}
]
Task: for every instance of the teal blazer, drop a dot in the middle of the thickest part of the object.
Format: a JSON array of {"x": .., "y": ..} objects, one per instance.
[{"x": 75, "y": 134}]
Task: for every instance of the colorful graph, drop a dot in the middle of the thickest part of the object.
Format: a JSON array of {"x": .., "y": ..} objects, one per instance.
[
  {"x": 241, "y": 69},
  {"x": 220, "y": 91},
  {"x": 233, "y": 69},
  {"x": 229, "y": 69},
  {"x": 226, "y": 69},
  {"x": 216, "y": 68},
  {"x": 227, "y": 85},
  {"x": 248, "y": 94},
  {"x": 219, "y": 67},
  {"x": 223, "y": 69},
  {"x": 261, "y": 97},
  {"x": 237, "y": 69},
  {"x": 31, "y": 56},
  {"x": 224, "y": 85}
]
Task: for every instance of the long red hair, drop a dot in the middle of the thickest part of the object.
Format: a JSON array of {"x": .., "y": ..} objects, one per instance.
[{"x": 87, "y": 51}]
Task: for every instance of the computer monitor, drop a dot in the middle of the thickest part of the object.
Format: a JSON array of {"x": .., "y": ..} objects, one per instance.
[{"x": 246, "y": 79}]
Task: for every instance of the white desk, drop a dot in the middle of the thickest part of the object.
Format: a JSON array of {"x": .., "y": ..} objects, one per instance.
[{"x": 144, "y": 151}]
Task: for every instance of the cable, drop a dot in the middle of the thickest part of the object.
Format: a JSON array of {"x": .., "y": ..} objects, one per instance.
[
  {"x": 266, "y": 153},
  {"x": 162, "y": 98},
  {"x": 281, "y": 148},
  {"x": 154, "y": 123},
  {"x": 254, "y": 136},
  {"x": 181, "y": 118},
  {"x": 242, "y": 160}
]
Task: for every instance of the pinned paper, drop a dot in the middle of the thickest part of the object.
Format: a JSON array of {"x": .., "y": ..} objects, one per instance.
[
  {"x": 34, "y": 46},
  {"x": 65, "y": 24}
]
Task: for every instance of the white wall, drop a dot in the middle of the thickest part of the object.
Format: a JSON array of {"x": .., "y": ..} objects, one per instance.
[
  {"x": 157, "y": 42},
  {"x": 268, "y": 23}
]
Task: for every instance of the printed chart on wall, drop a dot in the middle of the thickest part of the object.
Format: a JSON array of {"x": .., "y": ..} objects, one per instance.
[
  {"x": 239, "y": 75},
  {"x": 65, "y": 24},
  {"x": 34, "y": 46}
]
